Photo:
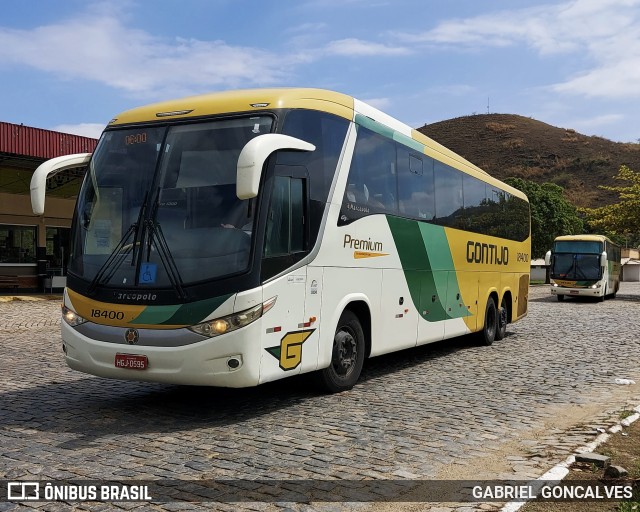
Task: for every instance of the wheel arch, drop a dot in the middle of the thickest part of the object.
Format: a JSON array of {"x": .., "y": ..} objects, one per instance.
[
  {"x": 360, "y": 305},
  {"x": 361, "y": 309}
]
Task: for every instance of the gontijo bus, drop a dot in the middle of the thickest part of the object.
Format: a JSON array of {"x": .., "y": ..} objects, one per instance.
[
  {"x": 236, "y": 238},
  {"x": 584, "y": 265}
]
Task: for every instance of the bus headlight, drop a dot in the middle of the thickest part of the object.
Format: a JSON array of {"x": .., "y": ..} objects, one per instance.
[
  {"x": 71, "y": 317},
  {"x": 232, "y": 322}
]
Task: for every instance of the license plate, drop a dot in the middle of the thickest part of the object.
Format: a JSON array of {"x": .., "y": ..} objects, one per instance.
[
  {"x": 574, "y": 292},
  {"x": 131, "y": 361}
]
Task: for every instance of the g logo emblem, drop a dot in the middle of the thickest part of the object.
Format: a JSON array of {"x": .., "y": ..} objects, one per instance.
[
  {"x": 131, "y": 336},
  {"x": 289, "y": 353}
]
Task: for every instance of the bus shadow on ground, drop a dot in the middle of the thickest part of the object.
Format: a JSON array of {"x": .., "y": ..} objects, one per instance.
[
  {"x": 588, "y": 300},
  {"x": 94, "y": 408}
]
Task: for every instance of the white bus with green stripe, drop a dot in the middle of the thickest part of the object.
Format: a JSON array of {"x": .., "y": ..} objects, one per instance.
[
  {"x": 584, "y": 266},
  {"x": 237, "y": 238}
]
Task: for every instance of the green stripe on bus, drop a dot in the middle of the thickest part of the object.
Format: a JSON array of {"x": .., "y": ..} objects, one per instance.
[
  {"x": 153, "y": 315},
  {"x": 417, "y": 268},
  {"x": 390, "y": 133},
  {"x": 374, "y": 126},
  {"x": 195, "y": 312},
  {"x": 181, "y": 314},
  {"x": 408, "y": 141}
]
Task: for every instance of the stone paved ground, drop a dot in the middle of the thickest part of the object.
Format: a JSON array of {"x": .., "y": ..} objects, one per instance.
[{"x": 452, "y": 410}]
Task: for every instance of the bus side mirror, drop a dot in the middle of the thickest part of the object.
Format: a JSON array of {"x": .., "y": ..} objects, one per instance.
[
  {"x": 253, "y": 156},
  {"x": 603, "y": 259},
  {"x": 547, "y": 258},
  {"x": 49, "y": 168}
]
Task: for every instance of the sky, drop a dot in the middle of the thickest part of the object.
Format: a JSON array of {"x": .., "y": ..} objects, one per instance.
[{"x": 72, "y": 65}]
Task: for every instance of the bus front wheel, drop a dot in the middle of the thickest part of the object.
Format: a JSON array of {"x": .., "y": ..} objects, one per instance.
[
  {"x": 604, "y": 295},
  {"x": 347, "y": 356},
  {"x": 488, "y": 333}
]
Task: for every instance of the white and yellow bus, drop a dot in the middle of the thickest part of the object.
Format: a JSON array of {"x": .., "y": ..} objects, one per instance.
[
  {"x": 237, "y": 238},
  {"x": 584, "y": 266}
]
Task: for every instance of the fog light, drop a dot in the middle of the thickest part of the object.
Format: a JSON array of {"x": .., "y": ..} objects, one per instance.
[{"x": 233, "y": 363}]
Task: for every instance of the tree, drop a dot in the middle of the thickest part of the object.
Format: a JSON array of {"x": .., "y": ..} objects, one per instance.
[
  {"x": 621, "y": 220},
  {"x": 552, "y": 214}
]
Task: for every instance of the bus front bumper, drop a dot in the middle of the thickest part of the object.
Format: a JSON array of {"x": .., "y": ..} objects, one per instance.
[
  {"x": 577, "y": 292},
  {"x": 230, "y": 360}
]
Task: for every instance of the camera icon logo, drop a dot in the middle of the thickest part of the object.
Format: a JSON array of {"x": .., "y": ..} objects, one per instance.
[{"x": 23, "y": 491}]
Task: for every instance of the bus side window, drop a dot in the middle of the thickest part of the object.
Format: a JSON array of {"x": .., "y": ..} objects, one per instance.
[
  {"x": 449, "y": 202},
  {"x": 415, "y": 185},
  {"x": 371, "y": 184}
]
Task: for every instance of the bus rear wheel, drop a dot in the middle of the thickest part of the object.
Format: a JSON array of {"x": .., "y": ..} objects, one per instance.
[
  {"x": 347, "y": 356},
  {"x": 488, "y": 333}
]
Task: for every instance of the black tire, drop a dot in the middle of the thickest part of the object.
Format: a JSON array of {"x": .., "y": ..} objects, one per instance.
[
  {"x": 604, "y": 295},
  {"x": 560, "y": 297},
  {"x": 347, "y": 357},
  {"x": 488, "y": 333},
  {"x": 503, "y": 316}
]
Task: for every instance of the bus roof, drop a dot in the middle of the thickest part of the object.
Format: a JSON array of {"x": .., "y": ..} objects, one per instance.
[
  {"x": 583, "y": 238},
  {"x": 256, "y": 100}
]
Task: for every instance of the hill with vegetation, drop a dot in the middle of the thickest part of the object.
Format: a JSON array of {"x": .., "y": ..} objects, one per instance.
[{"x": 507, "y": 145}]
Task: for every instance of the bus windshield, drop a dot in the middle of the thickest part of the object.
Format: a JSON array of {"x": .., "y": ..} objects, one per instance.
[
  {"x": 579, "y": 267},
  {"x": 577, "y": 260},
  {"x": 158, "y": 205}
]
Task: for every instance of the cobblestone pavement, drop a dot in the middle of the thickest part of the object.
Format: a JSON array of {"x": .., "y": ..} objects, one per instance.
[{"x": 451, "y": 410}]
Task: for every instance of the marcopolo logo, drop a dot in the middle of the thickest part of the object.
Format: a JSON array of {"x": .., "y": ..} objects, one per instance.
[{"x": 488, "y": 254}]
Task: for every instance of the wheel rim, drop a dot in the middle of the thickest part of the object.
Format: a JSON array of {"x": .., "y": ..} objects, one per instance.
[{"x": 345, "y": 352}]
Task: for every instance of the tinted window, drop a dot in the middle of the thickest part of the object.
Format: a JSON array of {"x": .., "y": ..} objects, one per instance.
[
  {"x": 415, "y": 185},
  {"x": 449, "y": 202},
  {"x": 389, "y": 177},
  {"x": 326, "y": 132},
  {"x": 577, "y": 246},
  {"x": 285, "y": 229},
  {"x": 371, "y": 185},
  {"x": 516, "y": 222}
]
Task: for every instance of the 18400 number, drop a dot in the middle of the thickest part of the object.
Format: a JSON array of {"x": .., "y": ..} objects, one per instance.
[{"x": 110, "y": 315}]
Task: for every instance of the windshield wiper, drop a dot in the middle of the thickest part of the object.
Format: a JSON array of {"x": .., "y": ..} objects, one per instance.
[
  {"x": 119, "y": 255},
  {"x": 115, "y": 258},
  {"x": 157, "y": 239}
]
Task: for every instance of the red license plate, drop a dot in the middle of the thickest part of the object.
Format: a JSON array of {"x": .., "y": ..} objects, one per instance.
[{"x": 131, "y": 361}]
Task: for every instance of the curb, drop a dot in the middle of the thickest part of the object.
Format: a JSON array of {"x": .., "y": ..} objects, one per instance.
[{"x": 559, "y": 471}]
